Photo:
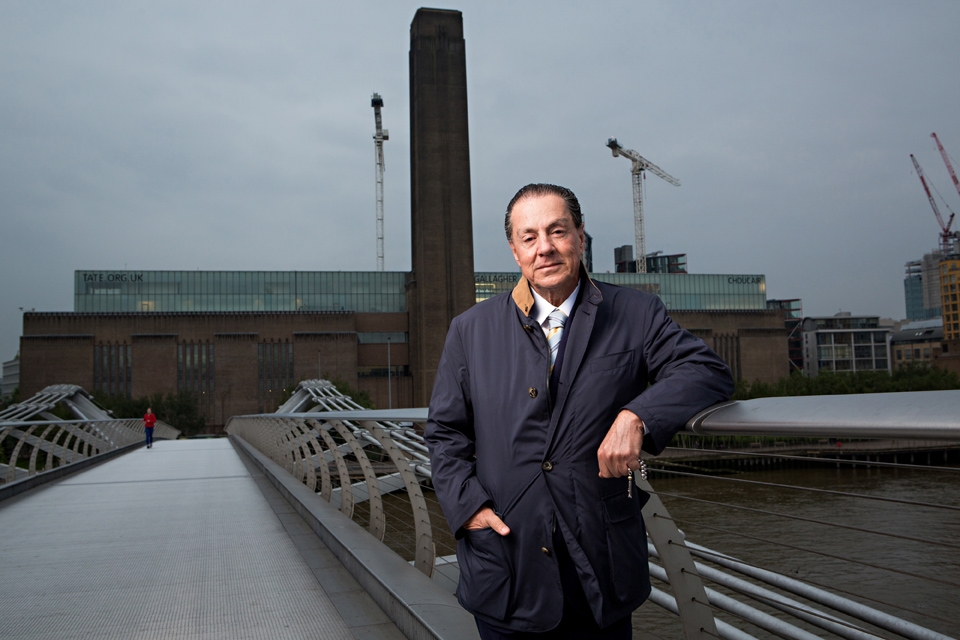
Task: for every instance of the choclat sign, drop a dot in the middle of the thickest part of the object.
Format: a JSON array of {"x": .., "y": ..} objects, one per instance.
[
  {"x": 744, "y": 279},
  {"x": 108, "y": 277}
]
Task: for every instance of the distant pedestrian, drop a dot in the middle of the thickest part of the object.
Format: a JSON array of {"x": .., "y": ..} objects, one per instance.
[{"x": 149, "y": 420}]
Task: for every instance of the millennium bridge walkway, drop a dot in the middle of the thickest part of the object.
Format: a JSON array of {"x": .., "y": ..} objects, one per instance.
[
  {"x": 319, "y": 521},
  {"x": 183, "y": 540}
]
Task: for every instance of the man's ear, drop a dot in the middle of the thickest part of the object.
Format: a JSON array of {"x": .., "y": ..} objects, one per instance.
[{"x": 513, "y": 249}]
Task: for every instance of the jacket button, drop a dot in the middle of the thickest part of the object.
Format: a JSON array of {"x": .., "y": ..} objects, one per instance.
[
  {"x": 546, "y": 551},
  {"x": 547, "y": 466},
  {"x": 533, "y": 392}
]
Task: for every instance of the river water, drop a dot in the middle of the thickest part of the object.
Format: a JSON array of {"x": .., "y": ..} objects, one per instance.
[{"x": 824, "y": 554}]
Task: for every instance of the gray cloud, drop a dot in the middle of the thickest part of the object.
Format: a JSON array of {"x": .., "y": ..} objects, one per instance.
[{"x": 238, "y": 136}]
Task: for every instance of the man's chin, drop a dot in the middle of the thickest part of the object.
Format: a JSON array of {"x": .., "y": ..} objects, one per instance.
[
  {"x": 552, "y": 282},
  {"x": 555, "y": 274}
]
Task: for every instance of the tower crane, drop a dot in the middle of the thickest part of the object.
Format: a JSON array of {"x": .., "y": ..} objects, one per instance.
[
  {"x": 378, "y": 138},
  {"x": 639, "y": 165},
  {"x": 946, "y": 161},
  {"x": 945, "y": 234}
]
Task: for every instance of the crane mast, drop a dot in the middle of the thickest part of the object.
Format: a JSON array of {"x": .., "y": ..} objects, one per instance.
[
  {"x": 945, "y": 234},
  {"x": 638, "y": 166},
  {"x": 378, "y": 138}
]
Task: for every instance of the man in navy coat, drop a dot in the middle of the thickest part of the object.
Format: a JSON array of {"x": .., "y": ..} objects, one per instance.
[{"x": 542, "y": 403}]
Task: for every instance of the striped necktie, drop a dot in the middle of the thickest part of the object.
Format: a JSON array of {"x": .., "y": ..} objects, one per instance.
[{"x": 557, "y": 319}]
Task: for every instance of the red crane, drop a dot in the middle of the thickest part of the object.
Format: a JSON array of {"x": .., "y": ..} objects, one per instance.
[
  {"x": 945, "y": 234},
  {"x": 946, "y": 161}
]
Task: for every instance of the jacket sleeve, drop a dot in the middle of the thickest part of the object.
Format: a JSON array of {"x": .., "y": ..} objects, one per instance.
[
  {"x": 684, "y": 376},
  {"x": 449, "y": 435}
]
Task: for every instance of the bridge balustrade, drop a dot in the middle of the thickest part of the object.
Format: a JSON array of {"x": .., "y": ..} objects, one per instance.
[
  {"x": 33, "y": 439},
  {"x": 374, "y": 466},
  {"x": 49, "y": 444}
]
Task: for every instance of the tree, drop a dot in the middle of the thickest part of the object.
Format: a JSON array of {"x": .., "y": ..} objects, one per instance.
[
  {"x": 916, "y": 377},
  {"x": 10, "y": 400},
  {"x": 179, "y": 409},
  {"x": 362, "y": 398}
]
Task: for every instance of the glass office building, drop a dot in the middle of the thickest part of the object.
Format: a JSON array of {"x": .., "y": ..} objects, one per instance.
[
  {"x": 919, "y": 302},
  {"x": 679, "y": 291},
  {"x": 363, "y": 291},
  {"x": 206, "y": 291},
  {"x": 845, "y": 342}
]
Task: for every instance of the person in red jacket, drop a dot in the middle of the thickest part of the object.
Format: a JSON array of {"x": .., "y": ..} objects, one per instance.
[{"x": 149, "y": 420}]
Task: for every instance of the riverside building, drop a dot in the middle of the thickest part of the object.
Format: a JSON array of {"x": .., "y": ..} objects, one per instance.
[
  {"x": 238, "y": 339},
  {"x": 845, "y": 342}
]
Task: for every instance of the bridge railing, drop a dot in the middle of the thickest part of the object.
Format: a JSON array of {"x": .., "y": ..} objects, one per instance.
[
  {"x": 34, "y": 439},
  {"x": 31, "y": 447},
  {"x": 374, "y": 466}
]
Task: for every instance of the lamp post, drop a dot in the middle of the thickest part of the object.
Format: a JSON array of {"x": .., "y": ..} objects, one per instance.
[{"x": 389, "y": 385}]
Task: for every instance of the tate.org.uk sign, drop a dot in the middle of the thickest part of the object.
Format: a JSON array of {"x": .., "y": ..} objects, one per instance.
[{"x": 120, "y": 278}]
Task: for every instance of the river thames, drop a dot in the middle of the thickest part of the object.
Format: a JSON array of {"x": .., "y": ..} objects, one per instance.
[{"x": 883, "y": 571}]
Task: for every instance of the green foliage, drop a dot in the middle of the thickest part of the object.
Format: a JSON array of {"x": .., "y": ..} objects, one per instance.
[
  {"x": 12, "y": 399},
  {"x": 120, "y": 406},
  {"x": 917, "y": 377},
  {"x": 360, "y": 397},
  {"x": 178, "y": 409},
  {"x": 287, "y": 392}
]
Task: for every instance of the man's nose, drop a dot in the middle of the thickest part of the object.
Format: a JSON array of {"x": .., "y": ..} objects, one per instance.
[{"x": 544, "y": 245}]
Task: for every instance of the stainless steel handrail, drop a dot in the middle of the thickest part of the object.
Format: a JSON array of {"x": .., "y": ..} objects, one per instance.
[{"x": 293, "y": 439}]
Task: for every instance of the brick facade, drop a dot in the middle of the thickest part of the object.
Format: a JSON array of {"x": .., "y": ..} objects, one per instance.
[
  {"x": 441, "y": 284},
  {"x": 235, "y": 363},
  {"x": 752, "y": 343}
]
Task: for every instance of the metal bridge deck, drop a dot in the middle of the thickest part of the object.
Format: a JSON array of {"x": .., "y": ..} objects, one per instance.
[{"x": 184, "y": 540}]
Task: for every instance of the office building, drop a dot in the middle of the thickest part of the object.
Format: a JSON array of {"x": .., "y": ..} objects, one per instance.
[
  {"x": 949, "y": 281},
  {"x": 845, "y": 343},
  {"x": 657, "y": 262},
  {"x": 623, "y": 259},
  {"x": 921, "y": 287},
  {"x": 238, "y": 339},
  {"x": 11, "y": 377},
  {"x": 917, "y": 343},
  {"x": 949, "y": 272}
]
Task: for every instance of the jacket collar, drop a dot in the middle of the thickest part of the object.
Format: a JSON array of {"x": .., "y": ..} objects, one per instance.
[{"x": 524, "y": 299}]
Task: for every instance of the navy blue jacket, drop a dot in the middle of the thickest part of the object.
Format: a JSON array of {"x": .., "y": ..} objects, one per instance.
[{"x": 496, "y": 437}]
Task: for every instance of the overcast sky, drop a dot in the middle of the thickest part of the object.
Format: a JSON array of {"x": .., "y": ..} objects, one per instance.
[{"x": 238, "y": 136}]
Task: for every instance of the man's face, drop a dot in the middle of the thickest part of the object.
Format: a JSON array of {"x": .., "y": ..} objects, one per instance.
[{"x": 547, "y": 246}]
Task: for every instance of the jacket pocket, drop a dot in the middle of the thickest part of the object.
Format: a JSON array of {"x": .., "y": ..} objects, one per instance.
[
  {"x": 626, "y": 545},
  {"x": 485, "y": 576},
  {"x": 612, "y": 362}
]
